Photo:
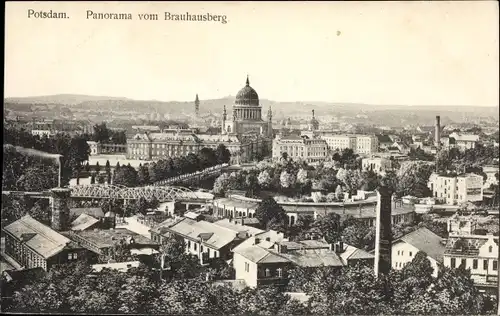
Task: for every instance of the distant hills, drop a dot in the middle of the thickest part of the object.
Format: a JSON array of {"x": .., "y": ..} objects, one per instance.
[{"x": 381, "y": 113}]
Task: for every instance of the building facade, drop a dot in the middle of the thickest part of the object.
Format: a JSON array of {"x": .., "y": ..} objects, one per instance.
[
  {"x": 34, "y": 245},
  {"x": 378, "y": 165},
  {"x": 266, "y": 260},
  {"x": 454, "y": 190},
  {"x": 360, "y": 144},
  {"x": 405, "y": 248},
  {"x": 478, "y": 253},
  {"x": 296, "y": 147},
  {"x": 247, "y": 136}
]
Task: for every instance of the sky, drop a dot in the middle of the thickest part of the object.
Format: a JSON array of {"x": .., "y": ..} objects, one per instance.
[{"x": 391, "y": 53}]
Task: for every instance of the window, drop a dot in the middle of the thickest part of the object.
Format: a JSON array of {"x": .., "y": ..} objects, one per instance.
[
  {"x": 474, "y": 264},
  {"x": 189, "y": 243},
  {"x": 195, "y": 246},
  {"x": 399, "y": 252},
  {"x": 247, "y": 267},
  {"x": 280, "y": 272},
  {"x": 490, "y": 248},
  {"x": 70, "y": 256},
  {"x": 402, "y": 252},
  {"x": 201, "y": 248},
  {"x": 74, "y": 255},
  {"x": 485, "y": 264},
  {"x": 453, "y": 262},
  {"x": 495, "y": 265},
  {"x": 268, "y": 273},
  {"x": 411, "y": 253},
  {"x": 463, "y": 262}
]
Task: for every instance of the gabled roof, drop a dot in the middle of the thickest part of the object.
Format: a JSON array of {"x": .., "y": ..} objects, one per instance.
[
  {"x": 95, "y": 212},
  {"x": 425, "y": 240},
  {"x": 83, "y": 222},
  {"x": 43, "y": 239}
]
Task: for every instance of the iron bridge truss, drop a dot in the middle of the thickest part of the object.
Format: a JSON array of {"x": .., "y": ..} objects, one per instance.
[{"x": 162, "y": 193}]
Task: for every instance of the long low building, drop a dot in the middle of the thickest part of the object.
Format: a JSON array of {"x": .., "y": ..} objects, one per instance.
[{"x": 236, "y": 206}]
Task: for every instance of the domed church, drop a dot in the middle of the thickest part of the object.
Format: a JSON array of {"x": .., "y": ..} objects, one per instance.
[{"x": 247, "y": 115}]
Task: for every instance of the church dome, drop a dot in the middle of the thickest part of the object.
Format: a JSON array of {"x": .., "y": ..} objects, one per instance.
[{"x": 247, "y": 96}]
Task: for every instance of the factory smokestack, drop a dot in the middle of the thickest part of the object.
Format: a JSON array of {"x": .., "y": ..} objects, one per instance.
[
  {"x": 383, "y": 233},
  {"x": 437, "y": 132},
  {"x": 60, "y": 208}
]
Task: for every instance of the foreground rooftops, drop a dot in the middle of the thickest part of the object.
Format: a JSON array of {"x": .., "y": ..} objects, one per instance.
[
  {"x": 425, "y": 240},
  {"x": 305, "y": 253},
  {"x": 215, "y": 235},
  {"x": 37, "y": 236}
]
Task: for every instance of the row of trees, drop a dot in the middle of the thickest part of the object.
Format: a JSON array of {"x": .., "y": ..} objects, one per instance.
[
  {"x": 104, "y": 135},
  {"x": 163, "y": 169},
  {"x": 470, "y": 160},
  {"x": 350, "y": 290}
]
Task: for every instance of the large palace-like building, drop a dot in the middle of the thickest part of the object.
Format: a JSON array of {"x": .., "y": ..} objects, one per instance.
[{"x": 246, "y": 134}]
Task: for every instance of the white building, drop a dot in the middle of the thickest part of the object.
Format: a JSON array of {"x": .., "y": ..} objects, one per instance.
[
  {"x": 461, "y": 141},
  {"x": 406, "y": 247},
  {"x": 42, "y": 132},
  {"x": 453, "y": 190},
  {"x": 478, "y": 253},
  {"x": 296, "y": 147},
  {"x": 360, "y": 144},
  {"x": 379, "y": 165}
]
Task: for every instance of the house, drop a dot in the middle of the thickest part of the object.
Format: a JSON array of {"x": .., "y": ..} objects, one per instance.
[
  {"x": 91, "y": 217},
  {"x": 35, "y": 245},
  {"x": 461, "y": 140},
  {"x": 264, "y": 262},
  {"x": 204, "y": 239},
  {"x": 478, "y": 253},
  {"x": 490, "y": 171},
  {"x": 378, "y": 165},
  {"x": 456, "y": 189},
  {"x": 102, "y": 241},
  {"x": 406, "y": 247}
]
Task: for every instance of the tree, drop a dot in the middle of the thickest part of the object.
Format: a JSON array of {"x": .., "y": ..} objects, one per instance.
[
  {"x": 302, "y": 176},
  {"x": 339, "y": 193},
  {"x": 329, "y": 226},
  {"x": 223, "y": 154},
  {"x": 207, "y": 157},
  {"x": 97, "y": 168},
  {"x": 264, "y": 179},
  {"x": 221, "y": 184},
  {"x": 287, "y": 180},
  {"x": 152, "y": 172},
  {"x": 252, "y": 184},
  {"x": 412, "y": 179},
  {"x": 269, "y": 210},
  {"x": 262, "y": 301},
  {"x": 358, "y": 234},
  {"x": 351, "y": 179},
  {"x": 101, "y": 133},
  {"x": 143, "y": 175},
  {"x": 107, "y": 168}
]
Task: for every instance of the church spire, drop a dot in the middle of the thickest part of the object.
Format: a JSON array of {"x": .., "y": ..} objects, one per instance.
[
  {"x": 197, "y": 105},
  {"x": 269, "y": 114},
  {"x": 313, "y": 113},
  {"x": 248, "y": 81}
]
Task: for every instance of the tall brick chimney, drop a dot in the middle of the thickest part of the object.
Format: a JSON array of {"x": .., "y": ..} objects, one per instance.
[
  {"x": 60, "y": 209},
  {"x": 437, "y": 132},
  {"x": 383, "y": 233}
]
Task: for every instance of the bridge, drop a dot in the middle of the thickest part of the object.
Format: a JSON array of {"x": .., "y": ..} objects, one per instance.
[{"x": 118, "y": 192}]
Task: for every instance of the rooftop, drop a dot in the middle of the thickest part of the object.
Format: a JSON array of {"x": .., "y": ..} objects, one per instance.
[
  {"x": 95, "y": 212},
  {"x": 425, "y": 240},
  {"x": 214, "y": 235},
  {"x": 104, "y": 238},
  {"x": 83, "y": 222},
  {"x": 37, "y": 236}
]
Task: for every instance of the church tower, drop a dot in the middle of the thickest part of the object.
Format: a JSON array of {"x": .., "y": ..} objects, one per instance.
[
  {"x": 224, "y": 118},
  {"x": 197, "y": 106},
  {"x": 270, "y": 122}
]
